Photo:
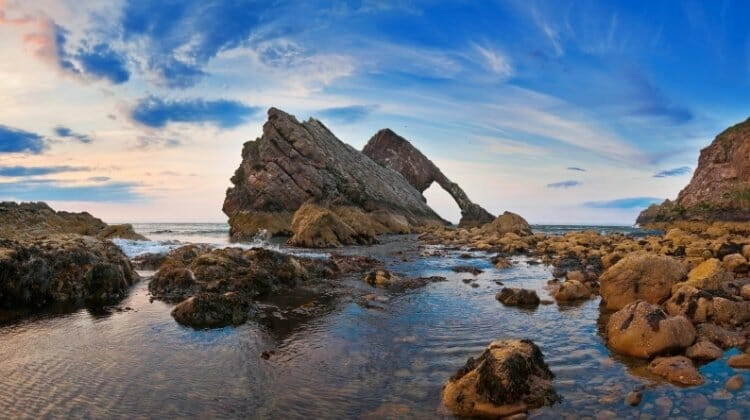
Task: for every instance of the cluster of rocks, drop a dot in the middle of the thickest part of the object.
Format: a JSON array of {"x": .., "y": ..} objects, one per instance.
[
  {"x": 218, "y": 287},
  {"x": 48, "y": 256}
]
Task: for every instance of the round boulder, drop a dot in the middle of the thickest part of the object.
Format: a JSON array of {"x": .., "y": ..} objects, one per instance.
[
  {"x": 644, "y": 330},
  {"x": 641, "y": 276}
]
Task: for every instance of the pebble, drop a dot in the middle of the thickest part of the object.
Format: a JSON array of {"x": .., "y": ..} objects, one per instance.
[
  {"x": 634, "y": 398},
  {"x": 711, "y": 412},
  {"x": 732, "y": 415},
  {"x": 663, "y": 405},
  {"x": 740, "y": 361},
  {"x": 734, "y": 383}
]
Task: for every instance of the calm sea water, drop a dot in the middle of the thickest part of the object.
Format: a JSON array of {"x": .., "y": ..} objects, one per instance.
[{"x": 384, "y": 360}]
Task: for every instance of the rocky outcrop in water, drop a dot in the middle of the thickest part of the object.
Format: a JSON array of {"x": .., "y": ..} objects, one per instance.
[
  {"x": 62, "y": 269},
  {"x": 510, "y": 377},
  {"x": 294, "y": 163},
  {"x": 395, "y": 152},
  {"x": 641, "y": 329},
  {"x": 720, "y": 187},
  {"x": 217, "y": 287},
  {"x": 35, "y": 220}
]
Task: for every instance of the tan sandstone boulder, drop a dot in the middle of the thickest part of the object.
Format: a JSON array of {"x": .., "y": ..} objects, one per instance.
[
  {"x": 318, "y": 227},
  {"x": 644, "y": 330},
  {"x": 641, "y": 276}
]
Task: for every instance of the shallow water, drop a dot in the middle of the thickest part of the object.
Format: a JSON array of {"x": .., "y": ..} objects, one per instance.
[{"x": 390, "y": 359}]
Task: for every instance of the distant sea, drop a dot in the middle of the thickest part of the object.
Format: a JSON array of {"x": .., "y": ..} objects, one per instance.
[{"x": 164, "y": 237}]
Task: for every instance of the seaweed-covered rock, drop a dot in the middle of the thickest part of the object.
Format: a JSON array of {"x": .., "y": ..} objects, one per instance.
[
  {"x": 640, "y": 276},
  {"x": 62, "y": 269},
  {"x": 510, "y": 377},
  {"x": 641, "y": 329},
  {"x": 513, "y": 296},
  {"x": 212, "y": 310}
]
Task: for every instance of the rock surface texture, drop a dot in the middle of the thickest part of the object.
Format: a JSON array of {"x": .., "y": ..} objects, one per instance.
[
  {"x": 293, "y": 163},
  {"x": 395, "y": 152},
  {"x": 720, "y": 187},
  {"x": 510, "y": 377}
]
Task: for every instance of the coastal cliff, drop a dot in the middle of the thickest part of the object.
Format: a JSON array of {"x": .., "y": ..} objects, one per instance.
[
  {"x": 294, "y": 163},
  {"x": 720, "y": 188},
  {"x": 395, "y": 152}
]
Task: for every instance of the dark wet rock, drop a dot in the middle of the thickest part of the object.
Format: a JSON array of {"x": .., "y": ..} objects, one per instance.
[
  {"x": 634, "y": 398},
  {"x": 501, "y": 262},
  {"x": 640, "y": 276},
  {"x": 704, "y": 350},
  {"x": 644, "y": 330},
  {"x": 25, "y": 221},
  {"x": 149, "y": 261},
  {"x": 293, "y": 163},
  {"x": 212, "y": 310},
  {"x": 734, "y": 383},
  {"x": 676, "y": 369},
  {"x": 62, "y": 269},
  {"x": 728, "y": 248},
  {"x": 720, "y": 336},
  {"x": 510, "y": 377},
  {"x": 467, "y": 269},
  {"x": 394, "y": 152},
  {"x": 513, "y": 296},
  {"x": 572, "y": 290}
]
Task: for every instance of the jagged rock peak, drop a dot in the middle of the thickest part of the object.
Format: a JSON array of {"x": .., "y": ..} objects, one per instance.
[
  {"x": 720, "y": 187},
  {"x": 395, "y": 152},
  {"x": 294, "y": 163}
]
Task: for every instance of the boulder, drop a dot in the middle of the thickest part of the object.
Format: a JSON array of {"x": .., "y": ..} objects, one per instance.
[
  {"x": 67, "y": 268},
  {"x": 644, "y": 330},
  {"x": 704, "y": 350},
  {"x": 676, "y": 369},
  {"x": 508, "y": 223},
  {"x": 720, "y": 336},
  {"x": 395, "y": 152},
  {"x": 512, "y": 296},
  {"x": 640, "y": 276},
  {"x": 381, "y": 278},
  {"x": 702, "y": 306},
  {"x": 572, "y": 290},
  {"x": 739, "y": 361},
  {"x": 708, "y": 275},
  {"x": 318, "y": 227},
  {"x": 211, "y": 310},
  {"x": 293, "y": 163},
  {"x": 510, "y": 377},
  {"x": 736, "y": 263}
]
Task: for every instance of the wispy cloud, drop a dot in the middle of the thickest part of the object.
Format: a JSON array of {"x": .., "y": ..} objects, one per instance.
[
  {"x": 66, "y": 132},
  {"x": 14, "y": 140},
  {"x": 575, "y": 168},
  {"x": 54, "y": 191},
  {"x": 156, "y": 112},
  {"x": 564, "y": 184},
  {"x": 682, "y": 170},
  {"x": 24, "y": 171},
  {"x": 496, "y": 61},
  {"x": 348, "y": 114},
  {"x": 624, "y": 203}
]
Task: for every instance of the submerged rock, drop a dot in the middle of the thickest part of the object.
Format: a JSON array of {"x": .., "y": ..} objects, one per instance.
[
  {"x": 513, "y": 296},
  {"x": 640, "y": 276},
  {"x": 293, "y": 163},
  {"x": 510, "y": 377},
  {"x": 641, "y": 329},
  {"x": 676, "y": 369}
]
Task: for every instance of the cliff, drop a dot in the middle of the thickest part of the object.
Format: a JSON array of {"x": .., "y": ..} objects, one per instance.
[
  {"x": 395, "y": 152},
  {"x": 720, "y": 187}
]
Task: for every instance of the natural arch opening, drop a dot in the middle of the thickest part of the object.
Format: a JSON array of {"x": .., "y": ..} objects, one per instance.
[{"x": 442, "y": 202}]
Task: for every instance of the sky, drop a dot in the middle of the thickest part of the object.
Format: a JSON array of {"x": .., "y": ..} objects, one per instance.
[{"x": 561, "y": 111}]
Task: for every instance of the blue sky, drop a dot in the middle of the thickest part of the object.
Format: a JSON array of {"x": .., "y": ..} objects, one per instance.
[{"x": 562, "y": 111}]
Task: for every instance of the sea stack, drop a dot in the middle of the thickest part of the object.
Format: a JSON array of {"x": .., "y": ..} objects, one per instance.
[
  {"x": 720, "y": 188},
  {"x": 302, "y": 165},
  {"x": 395, "y": 152}
]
